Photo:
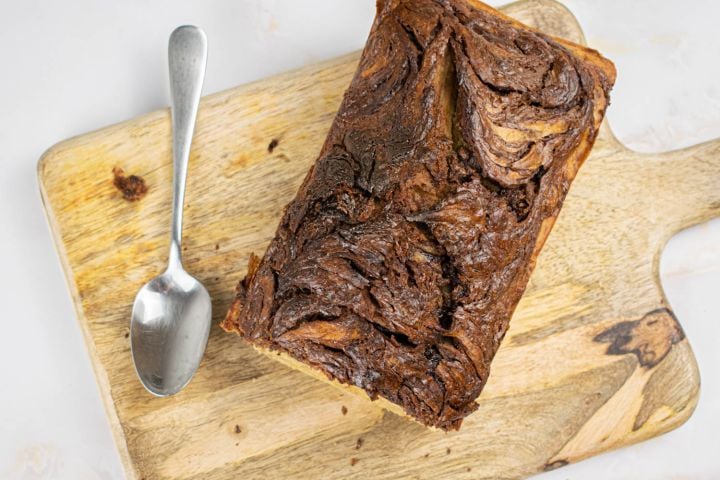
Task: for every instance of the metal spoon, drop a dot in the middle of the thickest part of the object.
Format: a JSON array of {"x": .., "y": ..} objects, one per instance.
[{"x": 171, "y": 314}]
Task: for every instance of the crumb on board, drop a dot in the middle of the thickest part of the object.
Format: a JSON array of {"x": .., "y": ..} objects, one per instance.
[
  {"x": 344, "y": 410},
  {"x": 127, "y": 334},
  {"x": 238, "y": 429},
  {"x": 468, "y": 469},
  {"x": 427, "y": 455},
  {"x": 359, "y": 443},
  {"x": 448, "y": 451},
  {"x": 273, "y": 145},
  {"x": 353, "y": 461},
  {"x": 133, "y": 188}
]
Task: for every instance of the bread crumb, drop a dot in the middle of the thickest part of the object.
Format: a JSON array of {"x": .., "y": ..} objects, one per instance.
[
  {"x": 273, "y": 144},
  {"x": 353, "y": 461},
  {"x": 133, "y": 188},
  {"x": 344, "y": 410},
  {"x": 238, "y": 429},
  {"x": 359, "y": 443}
]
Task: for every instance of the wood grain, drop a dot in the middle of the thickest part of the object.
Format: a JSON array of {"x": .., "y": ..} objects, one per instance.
[{"x": 594, "y": 358}]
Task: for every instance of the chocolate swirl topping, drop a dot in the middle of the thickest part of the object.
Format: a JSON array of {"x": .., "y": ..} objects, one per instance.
[{"x": 398, "y": 265}]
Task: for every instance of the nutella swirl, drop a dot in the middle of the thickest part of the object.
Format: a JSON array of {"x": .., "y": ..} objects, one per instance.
[{"x": 398, "y": 265}]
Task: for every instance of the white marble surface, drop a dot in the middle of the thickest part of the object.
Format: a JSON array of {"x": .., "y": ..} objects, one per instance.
[{"x": 69, "y": 67}]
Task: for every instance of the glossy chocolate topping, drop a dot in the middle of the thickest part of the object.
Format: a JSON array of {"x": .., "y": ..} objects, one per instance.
[{"x": 399, "y": 263}]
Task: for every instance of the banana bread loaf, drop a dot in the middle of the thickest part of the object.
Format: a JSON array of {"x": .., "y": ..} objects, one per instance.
[{"x": 398, "y": 265}]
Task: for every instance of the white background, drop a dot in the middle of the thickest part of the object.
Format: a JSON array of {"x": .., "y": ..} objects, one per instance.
[{"x": 70, "y": 67}]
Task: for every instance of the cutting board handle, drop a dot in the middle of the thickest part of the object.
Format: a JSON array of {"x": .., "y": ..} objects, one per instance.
[
  {"x": 675, "y": 189},
  {"x": 685, "y": 185}
]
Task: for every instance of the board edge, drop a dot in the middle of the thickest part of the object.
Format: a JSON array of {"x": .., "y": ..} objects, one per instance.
[{"x": 101, "y": 377}]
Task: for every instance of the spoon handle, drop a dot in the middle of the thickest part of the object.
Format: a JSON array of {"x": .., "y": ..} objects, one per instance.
[{"x": 187, "y": 57}]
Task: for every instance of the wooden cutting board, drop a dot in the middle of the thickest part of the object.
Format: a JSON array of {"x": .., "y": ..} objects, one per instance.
[{"x": 594, "y": 359}]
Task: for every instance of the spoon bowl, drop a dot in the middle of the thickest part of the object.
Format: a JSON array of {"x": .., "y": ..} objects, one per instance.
[{"x": 169, "y": 330}]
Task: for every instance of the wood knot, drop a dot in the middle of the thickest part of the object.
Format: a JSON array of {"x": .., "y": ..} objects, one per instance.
[
  {"x": 555, "y": 465},
  {"x": 650, "y": 339}
]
